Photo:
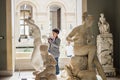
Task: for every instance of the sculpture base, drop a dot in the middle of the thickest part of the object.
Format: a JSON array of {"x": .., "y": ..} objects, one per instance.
[
  {"x": 109, "y": 71},
  {"x": 105, "y": 53},
  {"x": 105, "y": 35}
]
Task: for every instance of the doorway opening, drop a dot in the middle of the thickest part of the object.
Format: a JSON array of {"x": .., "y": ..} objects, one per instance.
[{"x": 55, "y": 17}]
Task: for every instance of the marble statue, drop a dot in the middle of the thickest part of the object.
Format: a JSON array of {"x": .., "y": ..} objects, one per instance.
[
  {"x": 105, "y": 47},
  {"x": 103, "y": 24},
  {"x": 36, "y": 58},
  {"x": 43, "y": 62},
  {"x": 49, "y": 73},
  {"x": 81, "y": 65}
]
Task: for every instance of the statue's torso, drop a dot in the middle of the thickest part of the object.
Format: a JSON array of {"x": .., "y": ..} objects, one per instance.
[{"x": 80, "y": 37}]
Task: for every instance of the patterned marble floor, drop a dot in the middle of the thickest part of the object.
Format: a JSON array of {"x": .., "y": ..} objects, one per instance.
[{"x": 27, "y": 75}]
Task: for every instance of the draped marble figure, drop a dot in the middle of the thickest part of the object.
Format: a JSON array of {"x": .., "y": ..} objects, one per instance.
[
  {"x": 36, "y": 58},
  {"x": 103, "y": 24}
]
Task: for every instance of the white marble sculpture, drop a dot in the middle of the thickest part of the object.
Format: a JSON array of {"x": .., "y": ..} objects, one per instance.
[
  {"x": 105, "y": 48},
  {"x": 36, "y": 58},
  {"x": 103, "y": 24},
  {"x": 81, "y": 65}
]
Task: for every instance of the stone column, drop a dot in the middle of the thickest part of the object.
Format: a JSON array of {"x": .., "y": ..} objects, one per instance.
[
  {"x": 105, "y": 53},
  {"x": 6, "y": 56},
  {"x": 9, "y": 37},
  {"x": 84, "y": 6}
]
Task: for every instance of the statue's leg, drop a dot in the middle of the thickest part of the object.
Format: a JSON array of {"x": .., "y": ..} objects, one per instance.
[
  {"x": 87, "y": 75},
  {"x": 46, "y": 74},
  {"x": 36, "y": 72},
  {"x": 69, "y": 72},
  {"x": 68, "y": 69},
  {"x": 36, "y": 59},
  {"x": 40, "y": 78},
  {"x": 48, "y": 70},
  {"x": 52, "y": 77},
  {"x": 89, "y": 50},
  {"x": 99, "y": 68},
  {"x": 91, "y": 55}
]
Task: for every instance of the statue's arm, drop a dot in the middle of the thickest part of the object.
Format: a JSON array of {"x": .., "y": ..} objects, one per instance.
[
  {"x": 72, "y": 34},
  {"x": 98, "y": 24},
  {"x": 32, "y": 25}
]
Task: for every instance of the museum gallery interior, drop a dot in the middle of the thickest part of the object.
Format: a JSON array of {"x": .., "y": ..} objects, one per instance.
[{"x": 59, "y": 40}]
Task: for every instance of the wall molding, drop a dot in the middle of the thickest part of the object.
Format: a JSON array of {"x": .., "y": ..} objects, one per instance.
[
  {"x": 6, "y": 73},
  {"x": 70, "y": 14}
]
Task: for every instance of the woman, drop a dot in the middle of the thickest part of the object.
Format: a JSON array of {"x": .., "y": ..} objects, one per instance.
[{"x": 54, "y": 44}]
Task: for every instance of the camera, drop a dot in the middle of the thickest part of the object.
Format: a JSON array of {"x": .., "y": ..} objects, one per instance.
[{"x": 50, "y": 39}]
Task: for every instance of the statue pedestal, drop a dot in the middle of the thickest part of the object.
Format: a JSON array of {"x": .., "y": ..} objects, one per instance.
[
  {"x": 105, "y": 53},
  {"x": 109, "y": 71}
]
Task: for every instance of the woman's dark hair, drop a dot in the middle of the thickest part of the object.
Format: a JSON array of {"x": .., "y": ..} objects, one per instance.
[{"x": 56, "y": 30}]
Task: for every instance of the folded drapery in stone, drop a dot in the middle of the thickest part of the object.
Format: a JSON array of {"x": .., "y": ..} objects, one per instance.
[{"x": 36, "y": 59}]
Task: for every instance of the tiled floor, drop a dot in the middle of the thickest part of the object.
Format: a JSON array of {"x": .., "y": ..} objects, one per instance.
[
  {"x": 27, "y": 75},
  {"x": 20, "y": 75}
]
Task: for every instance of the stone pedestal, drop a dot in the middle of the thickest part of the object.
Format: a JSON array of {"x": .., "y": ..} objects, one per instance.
[{"x": 105, "y": 53}]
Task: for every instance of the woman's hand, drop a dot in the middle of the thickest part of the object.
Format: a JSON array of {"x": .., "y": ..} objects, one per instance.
[{"x": 50, "y": 40}]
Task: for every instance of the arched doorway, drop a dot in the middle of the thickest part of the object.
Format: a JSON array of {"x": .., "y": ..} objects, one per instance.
[
  {"x": 56, "y": 15},
  {"x": 57, "y": 19}
]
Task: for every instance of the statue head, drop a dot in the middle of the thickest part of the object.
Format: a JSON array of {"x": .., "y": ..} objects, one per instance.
[
  {"x": 102, "y": 18},
  {"x": 101, "y": 14}
]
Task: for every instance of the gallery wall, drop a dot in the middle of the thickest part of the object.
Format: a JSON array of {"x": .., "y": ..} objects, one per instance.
[
  {"x": 3, "y": 51},
  {"x": 117, "y": 48}
]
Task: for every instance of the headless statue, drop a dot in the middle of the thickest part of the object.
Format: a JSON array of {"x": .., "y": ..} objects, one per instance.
[
  {"x": 81, "y": 66},
  {"x": 36, "y": 58},
  {"x": 49, "y": 73}
]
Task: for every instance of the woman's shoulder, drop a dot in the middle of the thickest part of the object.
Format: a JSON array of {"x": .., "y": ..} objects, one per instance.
[{"x": 58, "y": 38}]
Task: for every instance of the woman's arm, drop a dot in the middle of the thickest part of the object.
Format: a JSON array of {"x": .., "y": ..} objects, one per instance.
[{"x": 56, "y": 43}]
